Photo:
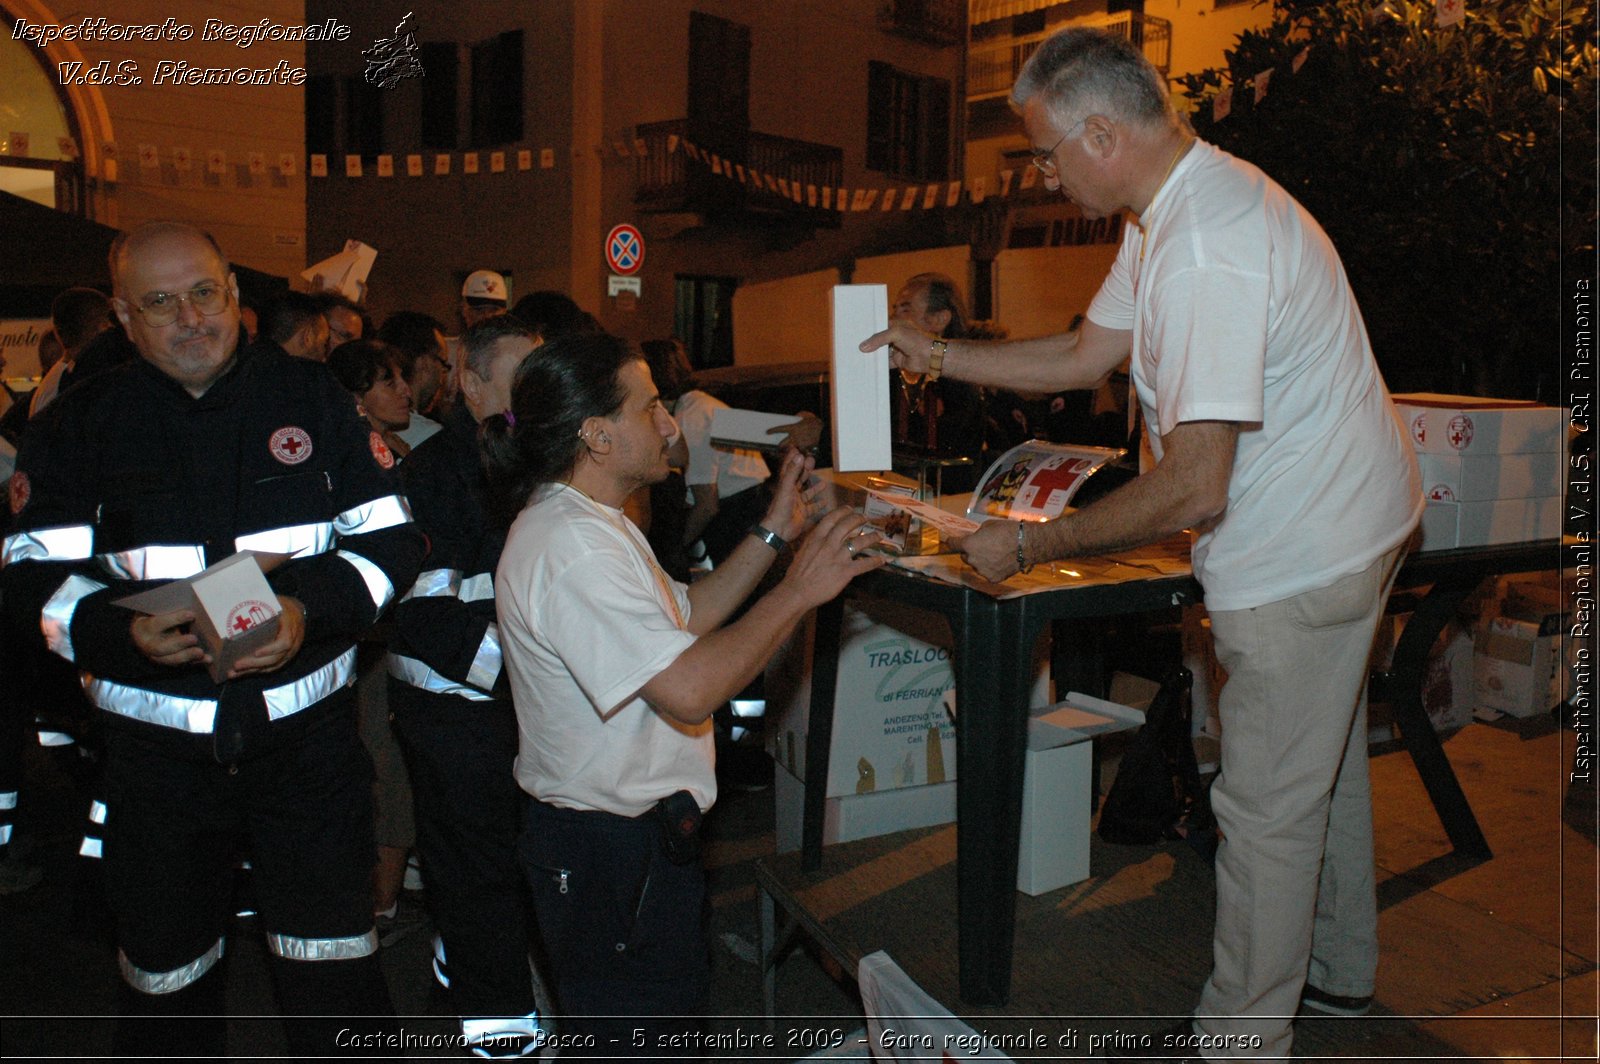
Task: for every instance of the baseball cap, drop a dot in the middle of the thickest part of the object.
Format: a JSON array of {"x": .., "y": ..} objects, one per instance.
[{"x": 485, "y": 284}]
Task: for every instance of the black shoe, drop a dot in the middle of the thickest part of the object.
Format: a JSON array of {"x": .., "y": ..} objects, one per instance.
[
  {"x": 1164, "y": 1045},
  {"x": 1335, "y": 1004}
]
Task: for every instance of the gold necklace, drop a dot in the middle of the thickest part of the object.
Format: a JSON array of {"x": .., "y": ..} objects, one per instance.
[{"x": 1144, "y": 233}]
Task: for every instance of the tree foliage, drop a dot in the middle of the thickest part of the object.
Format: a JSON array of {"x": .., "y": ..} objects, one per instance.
[{"x": 1454, "y": 169}]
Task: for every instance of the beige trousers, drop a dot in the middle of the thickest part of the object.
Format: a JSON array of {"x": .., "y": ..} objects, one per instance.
[{"x": 1295, "y": 887}]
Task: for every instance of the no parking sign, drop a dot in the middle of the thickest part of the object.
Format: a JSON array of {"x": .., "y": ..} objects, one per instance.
[{"x": 624, "y": 249}]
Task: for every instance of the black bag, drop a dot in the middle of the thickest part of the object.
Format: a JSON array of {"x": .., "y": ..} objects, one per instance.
[{"x": 1157, "y": 794}]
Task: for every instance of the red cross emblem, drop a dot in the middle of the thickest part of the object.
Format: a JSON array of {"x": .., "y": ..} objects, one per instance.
[
  {"x": 380, "y": 451},
  {"x": 1460, "y": 434},
  {"x": 21, "y": 490},
  {"x": 1441, "y": 493},
  {"x": 290, "y": 445},
  {"x": 1419, "y": 429},
  {"x": 246, "y": 615}
]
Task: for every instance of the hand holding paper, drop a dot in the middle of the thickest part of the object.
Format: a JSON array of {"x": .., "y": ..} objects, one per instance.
[
  {"x": 991, "y": 549},
  {"x": 165, "y": 638}
]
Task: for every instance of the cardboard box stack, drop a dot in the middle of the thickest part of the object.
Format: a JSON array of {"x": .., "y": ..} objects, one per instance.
[
  {"x": 1491, "y": 468},
  {"x": 1518, "y": 666}
]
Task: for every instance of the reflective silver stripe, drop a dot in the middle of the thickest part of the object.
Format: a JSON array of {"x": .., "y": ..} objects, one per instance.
[
  {"x": 378, "y": 585},
  {"x": 373, "y": 516},
  {"x": 55, "y": 621},
  {"x": 435, "y": 583},
  {"x": 198, "y": 715},
  {"x": 69, "y": 543},
  {"x": 97, "y": 812},
  {"x": 477, "y": 588},
  {"x": 486, "y": 664},
  {"x": 5, "y": 834},
  {"x": 482, "y": 1029},
  {"x": 153, "y": 707},
  {"x": 90, "y": 847},
  {"x": 312, "y": 687},
  {"x": 167, "y": 982},
  {"x": 324, "y": 949},
  {"x": 8, "y": 800},
  {"x": 303, "y": 540},
  {"x": 158, "y": 562},
  {"x": 418, "y": 675}
]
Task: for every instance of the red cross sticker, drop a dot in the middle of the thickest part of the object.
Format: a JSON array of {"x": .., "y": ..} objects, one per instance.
[{"x": 624, "y": 249}]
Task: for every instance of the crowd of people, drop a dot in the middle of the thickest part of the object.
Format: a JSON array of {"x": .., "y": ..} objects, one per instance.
[{"x": 467, "y": 581}]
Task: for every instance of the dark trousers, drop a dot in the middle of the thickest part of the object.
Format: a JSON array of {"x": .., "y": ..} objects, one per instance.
[
  {"x": 469, "y": 816},
  {"x": 171, "y": 834},
  {"x": 625, "y": 930}
]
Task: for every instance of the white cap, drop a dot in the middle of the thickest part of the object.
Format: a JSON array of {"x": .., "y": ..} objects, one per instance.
[{"x": 484, "y": 284}]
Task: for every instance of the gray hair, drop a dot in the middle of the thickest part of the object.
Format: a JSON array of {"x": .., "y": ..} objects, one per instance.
[
  {"x": 479, "y": 341},
  {"x": 1089, "y": 71}
]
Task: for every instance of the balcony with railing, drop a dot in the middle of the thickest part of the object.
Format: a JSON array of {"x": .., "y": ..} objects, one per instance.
[
  {"x": 993, "y": 67},
  {"x": 672, "y": 181},
  {"x": 941, "y": 22}
]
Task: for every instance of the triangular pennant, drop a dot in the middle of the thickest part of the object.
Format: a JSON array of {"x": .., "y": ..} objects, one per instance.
[
  {"x": 216, "y": 161},
  {"x": 621, "y": 149},
  {"x": 413, "y": 165},
  {"x": 1030, "y": 177},
  {"x": 1006, "y": 177},
  {"x": 441, "y": 165},
  {"x": 672, "y": 143},
  {"x": 980, "y": 189},
  {"x": 930, "y": 197},
  {"x": 811, "y": 195},
  {"x": 888, "y": 199},
  {"x": 469, "y": 163},
  {"x": 256, "y": 162},
  {"x": 1300, "y": 59},
  {"x": 547, "y": 158},
  {"x": 319, "y": 166},
  {"x": 352, "y": 166},
  {"x": 386, "y": 166},
  {"x": 497, "y": 162},
  {"x": 953, "y": 194},
  {"x": 1222, "y": 104},
  {"x": 640, "y": 148},
  {"x": 149, "y": 158},
  {"x": 286, "y": 163},
  {"x": 524, "y": 158},
  {"x": 870, "y": 199},
  {"x": 1447, "y": 13},
  {"x": 827, "y": 197},
  {"x": 1261, "y": 85}
]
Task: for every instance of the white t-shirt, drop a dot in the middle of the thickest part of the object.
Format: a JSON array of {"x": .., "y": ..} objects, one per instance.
[
  {"x": 731, "y": 471},
  {"x": 1240, "y": 311},
  {"x": 420, "y": 429},
  {"x": 585, "y": 622}
]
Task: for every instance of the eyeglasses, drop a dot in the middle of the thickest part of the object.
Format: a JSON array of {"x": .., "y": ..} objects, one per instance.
[
  {"x": 162, "y": 307},
  {"x": 1046, "y": 160}
]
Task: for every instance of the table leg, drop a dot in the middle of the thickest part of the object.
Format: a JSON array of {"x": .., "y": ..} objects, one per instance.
[
  {"x": 993, "y": 652},
  {"x": 1403, "y": 686},
  {"x": 819, "y": 730}
]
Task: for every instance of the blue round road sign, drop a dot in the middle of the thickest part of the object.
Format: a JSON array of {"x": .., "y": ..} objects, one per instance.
[{"x": 624, "y": 249}]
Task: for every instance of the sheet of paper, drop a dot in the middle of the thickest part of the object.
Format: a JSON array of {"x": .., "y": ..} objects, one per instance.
[
  {"x": 952, "y": 526},
  {"x": 346, "y": 272},
  {"x": 860, "y": 392},
  {"x": 748, "y": 428}
]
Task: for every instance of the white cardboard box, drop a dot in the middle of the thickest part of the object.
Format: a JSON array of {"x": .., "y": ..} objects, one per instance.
[
  {"x": 1054, "y": 845},
  {"x": 1483, "y": 477},
  {"x": 235, "y": 608},
  {"x": 860, "y": 816},
  {"x": 860, "y": 392},
  {"x": 1461, "y": 424},
  {"x": 1476, "y": 524},
  {"x": 892, "y": 723},
  {"x": 1517, "y": 666}
]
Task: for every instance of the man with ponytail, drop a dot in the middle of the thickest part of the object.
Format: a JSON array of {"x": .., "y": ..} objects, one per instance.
[{"x": 615, "y": 670}]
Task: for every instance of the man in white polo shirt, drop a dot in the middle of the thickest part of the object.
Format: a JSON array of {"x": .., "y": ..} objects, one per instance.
[{"x": 1277, "y": 444}]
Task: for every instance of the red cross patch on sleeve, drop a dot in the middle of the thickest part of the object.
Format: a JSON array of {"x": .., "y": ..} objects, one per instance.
[
  {"x": 380, "y": 451},
  {"x": 20, "y": 491}
]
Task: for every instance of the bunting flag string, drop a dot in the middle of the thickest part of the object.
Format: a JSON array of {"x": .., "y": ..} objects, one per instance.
[{"x": 172, "y": 164}]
